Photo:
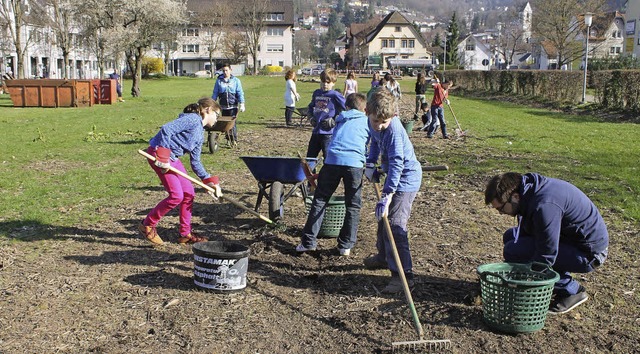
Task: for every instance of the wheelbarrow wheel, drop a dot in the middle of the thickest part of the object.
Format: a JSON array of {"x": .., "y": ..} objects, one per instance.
[
  {"x": 212, "y": 141},
  {"x": 276, "y": 205}
]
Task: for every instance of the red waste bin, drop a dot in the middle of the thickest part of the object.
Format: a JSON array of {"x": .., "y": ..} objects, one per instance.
[{"x": 104, "y": 91}]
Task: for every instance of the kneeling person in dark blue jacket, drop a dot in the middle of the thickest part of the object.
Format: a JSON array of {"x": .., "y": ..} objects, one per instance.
[
  {"x": 557, "y": 225},
  {"x": 344, "y": 162}
]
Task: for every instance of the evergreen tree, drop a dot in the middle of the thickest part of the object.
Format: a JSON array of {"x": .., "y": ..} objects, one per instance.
[
  {"x": 340, "y": 6},
  {"x": 453, "y": 40},
  {"x": 348, "y": 18},
  {"x": 475, "y": 23}
]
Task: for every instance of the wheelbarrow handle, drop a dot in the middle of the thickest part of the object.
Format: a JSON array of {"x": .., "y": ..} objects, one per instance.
[{"x": 198, "y": 182}]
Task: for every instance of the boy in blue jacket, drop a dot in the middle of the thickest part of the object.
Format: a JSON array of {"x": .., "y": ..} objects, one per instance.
[
  {"x": 390, "y": 142},
  {"x": 325, "y": 105},
  {"x": 343, "y": 162},
  {"x": 557, "y": 225}
]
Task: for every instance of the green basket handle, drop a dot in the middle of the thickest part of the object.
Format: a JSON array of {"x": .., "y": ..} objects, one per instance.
[{"x": 516, "y": 283}]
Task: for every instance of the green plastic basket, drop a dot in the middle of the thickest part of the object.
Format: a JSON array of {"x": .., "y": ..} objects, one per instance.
[
  {"x": 333, "y": 217},
  {"x": 515, "y": 297}
]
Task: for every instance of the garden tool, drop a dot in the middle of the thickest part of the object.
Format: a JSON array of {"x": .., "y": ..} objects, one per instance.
[
  {"x": 209, "y": 189},
  {"x": 435, "y": 168},
  {"x": 422, "y": 344},
  {"x": 311, "y": 177},
  {"x": 459, "y": 131}
]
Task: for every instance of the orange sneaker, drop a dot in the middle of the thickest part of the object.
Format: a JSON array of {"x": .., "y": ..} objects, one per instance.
[
  {"x": 150, "y": 234},
  {"x": 190, "y": 238}
]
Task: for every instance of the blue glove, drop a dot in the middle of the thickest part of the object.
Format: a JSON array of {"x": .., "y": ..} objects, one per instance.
[
  {"x": 369, "y": 170},
  {"x": 382, "y": 208}
]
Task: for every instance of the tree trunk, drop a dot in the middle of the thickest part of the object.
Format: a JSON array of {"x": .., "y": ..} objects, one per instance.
[{"x": 135, "y": 62}]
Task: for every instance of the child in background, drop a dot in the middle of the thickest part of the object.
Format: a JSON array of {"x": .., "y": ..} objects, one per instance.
[
  {"x": 291, "y": 96},
  {"x": 440, "y": 96},
  {"x": 426, "y": 116},
  {"x": 421, "y": 88},
  {"x": 398, "y": 161},
  {"x": 350, "y": 84},
  {"x": 343, "y": 162},
  {"x": 176, "y": 138},
  {"x": 375, "y": 81},
  {"x": 325, "y": 105}
]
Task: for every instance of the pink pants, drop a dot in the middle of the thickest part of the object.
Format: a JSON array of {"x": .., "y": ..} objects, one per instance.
[{"x": 181, "y": 192}]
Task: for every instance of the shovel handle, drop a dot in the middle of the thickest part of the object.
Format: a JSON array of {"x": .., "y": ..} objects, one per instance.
[
  {"x": 435, "y": 168},
  {"x": 198, "y": 182},
  {"x": 396, "y": 257}
]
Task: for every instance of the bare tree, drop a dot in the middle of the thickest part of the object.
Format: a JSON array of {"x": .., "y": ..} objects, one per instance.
[
  {"x": 145, "y": 22},
  {"x": 58, "y": 15},
  {"x": 556, "y": 22},
  {"x": 234, "y": 46},
  {"x": 13, "y": 15},
  {"x": 215, "y": 21},
  {"x": 251, "y": 20}
]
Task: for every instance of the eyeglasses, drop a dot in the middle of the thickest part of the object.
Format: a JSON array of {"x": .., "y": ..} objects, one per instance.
[{"x": 501, "y": 209}]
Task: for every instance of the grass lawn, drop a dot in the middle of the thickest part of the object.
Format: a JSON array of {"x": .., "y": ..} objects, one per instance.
[{"x": 61, "y": 166}]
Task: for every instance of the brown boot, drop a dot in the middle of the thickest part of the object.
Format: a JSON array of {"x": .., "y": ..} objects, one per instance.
[
  {"x": 191, "y": 238},
  {"x": 150, "y": 234}
]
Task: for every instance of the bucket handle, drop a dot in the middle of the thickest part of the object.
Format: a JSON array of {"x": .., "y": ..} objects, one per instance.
[{"x": 513, "y": 284}]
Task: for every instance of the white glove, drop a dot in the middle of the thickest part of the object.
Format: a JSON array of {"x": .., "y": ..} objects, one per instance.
[
  {"x": 382, "y": 208},
  {"x": 448, "y": 103},
  {"x": 242, "y": 107},
  {"x": 163, "y": 165},
  {"x": 297, "y": 97},
  {"x": 369, "y": 170},
  {"x": 216, "y": 193}
]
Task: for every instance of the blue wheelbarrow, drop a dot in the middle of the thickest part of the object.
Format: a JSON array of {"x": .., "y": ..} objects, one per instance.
[{"x": 273, "y": 175}]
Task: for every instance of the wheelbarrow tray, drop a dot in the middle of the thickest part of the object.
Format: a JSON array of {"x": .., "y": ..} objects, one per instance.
[
  {"x": 286, "y": 170},
  {"x": 224, "y": 124}
]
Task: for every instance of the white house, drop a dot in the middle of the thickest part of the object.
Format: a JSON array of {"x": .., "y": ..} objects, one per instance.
[{"x": 474, "y": 52}]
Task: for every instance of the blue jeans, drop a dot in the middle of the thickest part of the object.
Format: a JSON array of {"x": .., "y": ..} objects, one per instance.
[
  {"x": 399, "y": 212},
  {"x": 437, "y": 112},
  {"x": 569, "y": 259},
  {"x": 328, "y": 181},
  {"x": 317, "y": 143}
]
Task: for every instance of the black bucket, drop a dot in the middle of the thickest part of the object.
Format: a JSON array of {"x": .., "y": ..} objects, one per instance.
[{"x": 220, "y": 266}]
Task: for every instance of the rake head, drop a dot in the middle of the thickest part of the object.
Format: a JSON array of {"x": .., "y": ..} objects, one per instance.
[{"x": 421, "y": 346}]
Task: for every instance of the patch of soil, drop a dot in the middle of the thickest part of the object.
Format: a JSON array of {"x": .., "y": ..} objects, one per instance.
[{"x": 101, "y": 288}]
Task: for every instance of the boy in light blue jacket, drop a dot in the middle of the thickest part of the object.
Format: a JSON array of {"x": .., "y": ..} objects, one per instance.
[
  {"x": 344, "y": 162},
  {"x": 390, "y": 143}
]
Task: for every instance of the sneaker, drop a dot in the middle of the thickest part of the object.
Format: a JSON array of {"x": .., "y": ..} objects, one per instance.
[
  {"x": 430, "y": 136},
  {"x": 375, "y": 262},
  {"x": 395, "y": 285},
  {"x": 150, "y": 233},
  {"x": 191, "y": 238},
  {"x": 344, "y": 251},
  {"x": 300, "y": 248},
  {"x": 445, "y": 137},
  {"x": 564, "y": 304}
]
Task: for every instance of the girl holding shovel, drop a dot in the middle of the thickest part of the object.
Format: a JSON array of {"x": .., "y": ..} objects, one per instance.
[{"x": 176, "y": 138}]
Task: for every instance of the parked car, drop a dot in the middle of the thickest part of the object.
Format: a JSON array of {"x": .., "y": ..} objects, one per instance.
[
  {"x": 202, "y": 73},
  {"x": 313, "y": 70}
]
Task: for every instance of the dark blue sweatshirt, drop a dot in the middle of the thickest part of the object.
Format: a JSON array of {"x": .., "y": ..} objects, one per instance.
[
  {"x": 325, "y": 105},
  {"x": 555, "y": 211}
]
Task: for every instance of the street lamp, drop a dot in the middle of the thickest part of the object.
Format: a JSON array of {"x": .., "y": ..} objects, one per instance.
[
  {"x": 588, "y": 17},
  {"x": 444, "y": 64},
  {"x": 499, "y": 26}
]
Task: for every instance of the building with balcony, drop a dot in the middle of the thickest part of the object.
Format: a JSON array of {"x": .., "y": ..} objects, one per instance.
[{"x": 378, "y": 40}]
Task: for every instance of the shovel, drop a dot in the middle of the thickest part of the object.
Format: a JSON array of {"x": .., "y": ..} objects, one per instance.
[{"x": 198, "y": 182}]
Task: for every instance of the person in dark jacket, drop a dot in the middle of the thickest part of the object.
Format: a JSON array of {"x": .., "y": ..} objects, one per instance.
[
  {"x": 229, "y": 94},
  {"x": 558, "y": 225},
  {"x": 326, "y": 103}
]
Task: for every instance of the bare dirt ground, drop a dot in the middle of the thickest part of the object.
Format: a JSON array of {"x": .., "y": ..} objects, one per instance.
[{"x": 102, "y": 289}]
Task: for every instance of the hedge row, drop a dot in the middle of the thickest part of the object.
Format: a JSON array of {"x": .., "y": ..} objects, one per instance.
[
  {"x": 553, "y": 85},
  {"x": 614, "y": 89},
  {"x": 617, "y": 89}
]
